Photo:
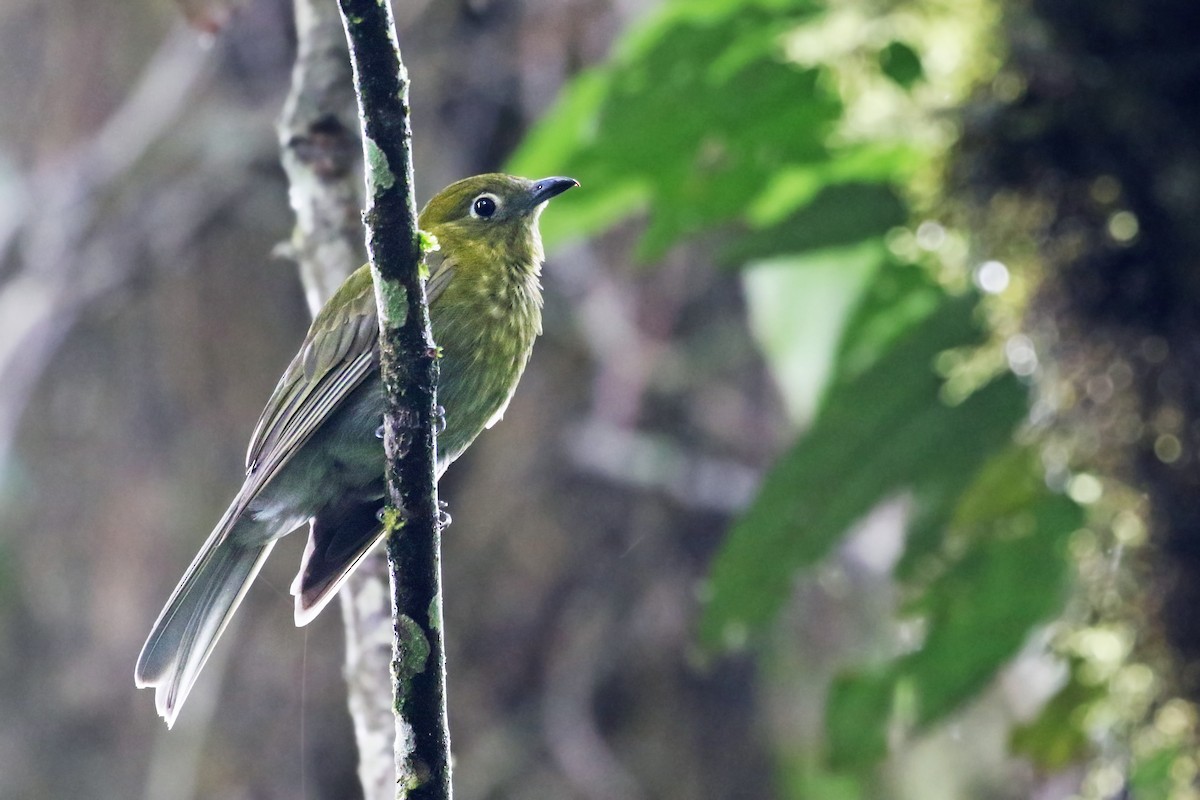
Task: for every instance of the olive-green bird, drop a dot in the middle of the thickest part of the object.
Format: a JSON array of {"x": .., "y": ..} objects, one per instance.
[{"x": 315, "y": 455}]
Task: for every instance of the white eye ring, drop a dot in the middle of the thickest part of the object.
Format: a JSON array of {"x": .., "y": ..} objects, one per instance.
[{"x": 485, "y": 206}]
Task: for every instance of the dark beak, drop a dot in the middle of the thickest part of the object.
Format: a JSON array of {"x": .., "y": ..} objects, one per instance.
[{"x": 547, "y": 188}]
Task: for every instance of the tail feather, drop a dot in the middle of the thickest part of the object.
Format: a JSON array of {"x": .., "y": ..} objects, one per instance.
[
  {"x": 194, "y": 618},
  {"x": 339, "y": 538}
]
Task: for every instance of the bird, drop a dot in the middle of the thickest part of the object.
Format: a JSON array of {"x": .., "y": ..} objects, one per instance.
[{"x": 316, "y": 457}]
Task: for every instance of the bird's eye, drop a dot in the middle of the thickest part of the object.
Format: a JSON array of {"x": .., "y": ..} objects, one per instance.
[{"x": 483, "y": 206}]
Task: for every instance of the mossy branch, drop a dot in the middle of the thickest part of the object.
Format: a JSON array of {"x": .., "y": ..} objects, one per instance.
[{"x": 409, "y": 368}]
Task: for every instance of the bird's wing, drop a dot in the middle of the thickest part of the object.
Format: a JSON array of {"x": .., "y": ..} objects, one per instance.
[
  {"x": 441, "y": 270},
  {"x": 340, "y": 351}
]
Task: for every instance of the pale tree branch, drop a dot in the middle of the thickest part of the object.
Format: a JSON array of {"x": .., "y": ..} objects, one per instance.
[
  {"x": 70, "y": 253},
  {"x": 319, "y": 140}
]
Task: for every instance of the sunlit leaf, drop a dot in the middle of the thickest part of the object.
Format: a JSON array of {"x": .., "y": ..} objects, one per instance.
[
  {"x": 1152, "y": 777},
  {"x": 805, "y": 779},
  {"x": 1013, "y": 576},
  {"x": 1009, "y": 483},
  {"x": 978, "y": 612},
  {"x": 900, "y": 297},
  {"x": 694, "y": 118},
  {"x": 798, "y": 307},
  {"x": 567, "y": 128},
  {"x": 1057, "y": 737},
  {"x": 793, "y": 186},
  {"x": 880, "y": 432},
  {"x": 857, "y": 708},
  {"x": 579, "y": 214},
  {"x": 971, "y": 489}
]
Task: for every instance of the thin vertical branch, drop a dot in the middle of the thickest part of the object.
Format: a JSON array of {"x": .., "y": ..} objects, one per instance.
[
  {"x": 319, "y": 142},
  {"x": 409, "y": 369}
]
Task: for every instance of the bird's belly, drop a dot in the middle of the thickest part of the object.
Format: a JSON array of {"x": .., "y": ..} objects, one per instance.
[{"x": 473, "y": 388}]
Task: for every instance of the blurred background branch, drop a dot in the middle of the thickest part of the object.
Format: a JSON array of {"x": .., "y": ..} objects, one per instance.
[
  {"x": 71, "y": 253},
  {"x": 318, "y": 134}
]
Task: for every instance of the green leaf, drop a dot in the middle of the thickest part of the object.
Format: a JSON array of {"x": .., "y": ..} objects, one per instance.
[
  {"x": 794, "y": 185},
  {"x": 901, "y": 63},
  {"x": 979, "y": 611},
  {"x": 973, "y": 481},
  {"x": 883, "y": 431},
  {"x": 901, "y": 296},
  {"x": 551, "y": 148},
  {"x": 1008, "y": 484},
  {"x": 696, "y": 115},
  {"x": 580, "y": 214},
  {"x": 798, "y": 307},
  {"x": 1057, "y": 738},
  {"x": 1013, "y": 576},
  {"x": 802, "y": 778},
  {"x": 1152, "y": 775},
  {"x": 700, "y": 120},
  {"x": 857, "y": 705},
  {"x": 839, "y": 215},
  {"x": 706, "y": 166},
  {"x": 569, "y": 126}
]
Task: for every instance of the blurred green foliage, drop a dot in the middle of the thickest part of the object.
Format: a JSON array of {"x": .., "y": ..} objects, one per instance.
[
  {"x": 977, "y": 613},
  {"x": 878, "y": 434},
  {"x": 712, "y": 124},
  {"x": 1057, "y": 736},
  {"x": 699, "y": 120},
  {"x": 1152, "y": 777}
]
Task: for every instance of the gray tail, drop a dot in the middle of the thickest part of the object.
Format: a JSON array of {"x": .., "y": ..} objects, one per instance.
[{"x": 194, "y": 618}]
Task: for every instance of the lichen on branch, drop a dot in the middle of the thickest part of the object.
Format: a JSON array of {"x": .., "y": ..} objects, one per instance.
[{"x": 408, "y": 363}]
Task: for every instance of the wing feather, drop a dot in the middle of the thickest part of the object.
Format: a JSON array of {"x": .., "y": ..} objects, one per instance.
[
  {"x": 441, "y": 270},
  {"x": 340, "y": 351}
]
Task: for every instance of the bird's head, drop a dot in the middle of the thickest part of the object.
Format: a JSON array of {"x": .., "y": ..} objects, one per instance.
[{"x": 492, "y": 216}]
